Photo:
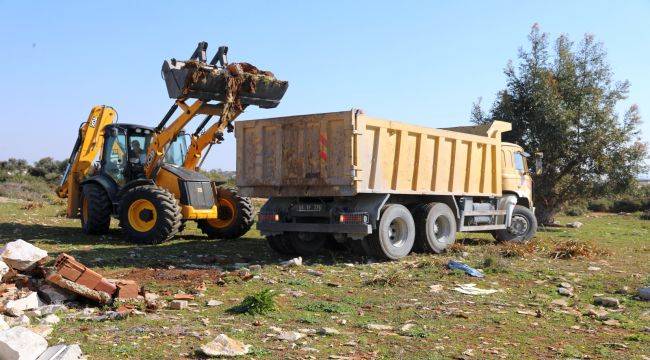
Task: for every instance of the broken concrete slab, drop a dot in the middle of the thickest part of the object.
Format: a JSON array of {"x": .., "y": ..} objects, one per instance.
[
  {"x": 19, "y": 343},
  {"x": 178, "y": 304},
  {"x": 70, "y": 269},
  {"x": 18, "y": 306},
  {"x": 21, "y": 255},
  {"x": 62, "y": 352},
  {"x": 224, "y": 346},
  {"x": 54, "y": 294},
  {"x": 98, "y": 296}
]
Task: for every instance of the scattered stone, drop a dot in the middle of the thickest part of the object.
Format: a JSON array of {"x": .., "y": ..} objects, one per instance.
[
  {"x": 624, "y": 290},
  {"x": 17, "y": 307},
  {"x": 19, "y": 343},
  {"x": 471, "y": 289},
  {"x": 612, "y": 323},
  {"x": 379, "y": 327},
  {"x": 88, "y": 311},
  {"x": 178, "y": 304},
  {"x": 598, "y": 313},
  {"x": 644, "y": 293},
  {"x": 42, "y": 330},
  {"x": 213, "y": 303},
  {"x": 609, "y": 302},
  {"x": 3, "y": 324},
  {"x": 527, "y": 312},
  {"x": 222, "y": 345},
  {"x": 255, "y": 268},
  {"x": 407, "y": 327},
  {"x": 574, "y": 225},
  {"x": 54, "y": 294},
  {"x": 4, "y": 269},
  {"x": 436, "y": 288},
  {"x": 293, "y": 262},
  {"x": 560, "y": 302},
  {"x": 315, "y": 272},
  {"x": 50, "y": 320},
  {"x": 290, "y": 336},
  {"x": 21, "y": 255},
  {"x": 328, "y": 331},
  {"x": 593, "y": 268},
  {"x": 183, "y": 297},
  {"x": 565, "y": 291},
  {"x": 127, "y": 289},
  {"x": 62, "y": 352}
]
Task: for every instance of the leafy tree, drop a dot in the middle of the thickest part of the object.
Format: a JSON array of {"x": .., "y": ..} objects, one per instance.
[
  {"x": 564, "y": 105},
  {"x": 47, "y": 168},
  {"x": 14, "y": 165}
]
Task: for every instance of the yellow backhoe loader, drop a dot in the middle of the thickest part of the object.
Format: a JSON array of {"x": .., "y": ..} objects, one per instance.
[{"x": 143, "y": 176}]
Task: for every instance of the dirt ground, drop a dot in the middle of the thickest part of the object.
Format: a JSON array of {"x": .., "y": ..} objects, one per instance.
[{"x": 424, "y": 317}]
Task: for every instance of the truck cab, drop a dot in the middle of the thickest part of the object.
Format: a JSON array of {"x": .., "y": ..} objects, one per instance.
[{"x": 516, "y": 177}]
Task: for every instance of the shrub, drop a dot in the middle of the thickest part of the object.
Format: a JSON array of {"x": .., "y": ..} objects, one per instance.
[
  {"x": 517, "y": 250},
  {"x": 261, "y": 303},
  {"x": 627, "y": 204},
  {"x": 645, "y": 215},
  {"x": 600, "y": 205},
  {"x": 575, "y": 211}
]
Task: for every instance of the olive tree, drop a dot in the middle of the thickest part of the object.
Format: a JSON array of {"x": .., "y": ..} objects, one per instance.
[{"x": 563, "y": 102}]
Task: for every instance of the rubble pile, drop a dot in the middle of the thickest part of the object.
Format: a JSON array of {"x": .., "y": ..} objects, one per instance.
[{"x": 31, "y": 295}]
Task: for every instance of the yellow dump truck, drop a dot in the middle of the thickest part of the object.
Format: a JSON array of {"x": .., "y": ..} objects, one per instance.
[{"x": 381, "y": 187}]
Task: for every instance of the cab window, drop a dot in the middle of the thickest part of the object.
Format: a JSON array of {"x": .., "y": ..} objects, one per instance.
[
  {"x": 115, "y": 157},
  {"x": 520, "y": 162}
]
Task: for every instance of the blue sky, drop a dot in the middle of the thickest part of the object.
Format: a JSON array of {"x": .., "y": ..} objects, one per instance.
[{"x": 422, "y": 62}]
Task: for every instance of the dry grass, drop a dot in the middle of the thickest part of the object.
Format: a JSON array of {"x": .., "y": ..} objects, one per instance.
[
  {"x": 456, "y": 248},
  {"x": 32, "y": 205},
  {"x": 392, "y": 278},
  {"x": 519, "y": 250},
  {"x": 571, "y": 249}
]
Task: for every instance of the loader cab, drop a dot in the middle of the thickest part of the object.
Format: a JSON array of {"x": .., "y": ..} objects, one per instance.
[{"x": 125, "y": 151}]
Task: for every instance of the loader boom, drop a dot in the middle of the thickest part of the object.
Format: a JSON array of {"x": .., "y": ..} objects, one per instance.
[
  {"x": 199, "y": 141},
  {"x": 89, "y": 142}
]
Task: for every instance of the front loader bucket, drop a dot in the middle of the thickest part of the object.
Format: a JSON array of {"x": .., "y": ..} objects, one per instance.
[{"x": 200, "y": 80}]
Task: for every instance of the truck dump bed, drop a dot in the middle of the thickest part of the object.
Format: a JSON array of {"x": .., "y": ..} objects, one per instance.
[{"x": 347, "y": 153}]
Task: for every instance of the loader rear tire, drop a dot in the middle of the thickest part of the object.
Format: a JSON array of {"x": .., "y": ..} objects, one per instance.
[
  {"x": 280, "y": 244},
  {"x": 235, "y": 217},
  {"x": 149, "y": 214},
  {"x": 395, "y": 234},
  {"x": 95, "y": 210}
]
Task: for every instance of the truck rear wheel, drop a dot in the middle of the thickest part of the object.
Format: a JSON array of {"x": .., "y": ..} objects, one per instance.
[
  {"x": 280, "y": 244},
  {"x": 435, "y": 226},
  {"x": 235, "y": 216},
  {"x": 95, "y": 210},
  {"x": 149, "y": 214},
  {"x": 307, "y": 244},
  {"x": 395, "y": 234},
  {"x": 523, "y": 226}
]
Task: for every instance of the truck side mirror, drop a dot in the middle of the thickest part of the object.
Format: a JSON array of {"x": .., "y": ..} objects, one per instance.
[{"x": 538, "y": 162}]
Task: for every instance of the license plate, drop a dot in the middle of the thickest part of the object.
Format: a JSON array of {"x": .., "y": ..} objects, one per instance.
[{"x": 309, "y": 207}]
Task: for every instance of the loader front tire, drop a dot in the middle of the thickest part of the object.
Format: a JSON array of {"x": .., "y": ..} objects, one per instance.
[
  {"x": 95, "y": 210},
  {"x": 149, "y": 214},
  {"x": 235, "y": 216}
]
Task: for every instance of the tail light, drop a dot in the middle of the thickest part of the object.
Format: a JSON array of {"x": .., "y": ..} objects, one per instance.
[
  {"x": 269, "y": 217},
  {"x": 353, "y": 218}
]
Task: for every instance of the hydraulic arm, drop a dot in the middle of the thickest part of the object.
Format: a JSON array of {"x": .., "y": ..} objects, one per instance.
[{"x": 89, "y": 142}]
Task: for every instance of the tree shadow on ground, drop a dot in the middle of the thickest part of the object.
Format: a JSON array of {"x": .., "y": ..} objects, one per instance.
[{"x": 185, "y": 251}]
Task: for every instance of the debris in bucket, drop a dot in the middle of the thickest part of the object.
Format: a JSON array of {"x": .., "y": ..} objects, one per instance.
[{"x": 455, "y": 265}]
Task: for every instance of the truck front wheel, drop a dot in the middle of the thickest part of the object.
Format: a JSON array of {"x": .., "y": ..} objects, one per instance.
[
  {"x": 394, "y": 237},
  {"x": 522, "y": 226},
  {"x": 435, "y": 225}
]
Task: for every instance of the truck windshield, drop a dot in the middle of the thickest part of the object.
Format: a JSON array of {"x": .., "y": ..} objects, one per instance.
[
  {"x": 175, "y": 153},
  {"x": 520, "y": 162}
]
